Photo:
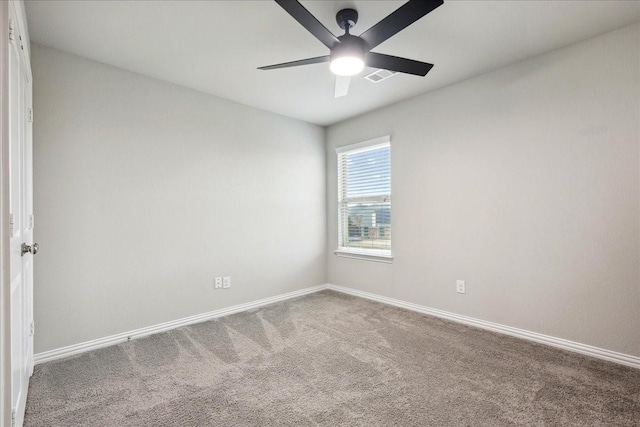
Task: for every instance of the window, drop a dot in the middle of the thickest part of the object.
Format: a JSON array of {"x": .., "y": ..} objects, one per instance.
[{"x": 364, "y": 200}]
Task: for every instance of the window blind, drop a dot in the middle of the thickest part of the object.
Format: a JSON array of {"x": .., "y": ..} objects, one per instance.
[{"x": 364, "y": 198}]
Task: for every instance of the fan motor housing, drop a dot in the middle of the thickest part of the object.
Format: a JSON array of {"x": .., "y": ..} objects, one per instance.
[{"x": 349, "y": 46}]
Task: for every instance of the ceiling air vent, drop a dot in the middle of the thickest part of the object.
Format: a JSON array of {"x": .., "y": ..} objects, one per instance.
[{"x": 380, "y": 75}]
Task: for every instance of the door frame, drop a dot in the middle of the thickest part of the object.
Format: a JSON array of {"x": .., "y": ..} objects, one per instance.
[
  {"x": 5, "y": 286},
  {"x": 7, "y": 8}
]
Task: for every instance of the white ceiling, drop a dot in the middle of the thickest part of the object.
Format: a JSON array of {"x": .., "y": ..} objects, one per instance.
[{"x": 216, "y": 46}]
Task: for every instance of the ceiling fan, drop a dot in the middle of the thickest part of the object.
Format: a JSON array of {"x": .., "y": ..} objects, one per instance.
[{"x": 348, "y": 53}]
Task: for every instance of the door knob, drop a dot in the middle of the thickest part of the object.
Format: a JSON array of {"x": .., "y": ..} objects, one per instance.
[{"x": 33, "y": 249}]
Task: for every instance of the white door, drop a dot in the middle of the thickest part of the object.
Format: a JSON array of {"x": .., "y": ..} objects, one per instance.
[{"x": 20, "y": 220}]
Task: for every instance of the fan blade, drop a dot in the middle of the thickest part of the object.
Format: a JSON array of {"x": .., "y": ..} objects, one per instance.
[
  {"x": 308, "y": 21},
  {"x": 316, "y": 60},
  {"x": 394, "y": 63},
  {"x": 342, "y": 86},
  {"x": 400, "y": 19}
]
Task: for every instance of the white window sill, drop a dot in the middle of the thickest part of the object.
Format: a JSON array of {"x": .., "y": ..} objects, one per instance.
[{"x": 367, "y": 256}]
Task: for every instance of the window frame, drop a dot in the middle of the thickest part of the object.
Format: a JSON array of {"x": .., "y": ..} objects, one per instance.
[{"x": 379, "y": 255}]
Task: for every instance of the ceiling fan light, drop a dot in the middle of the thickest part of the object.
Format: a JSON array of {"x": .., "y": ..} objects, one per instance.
[{"x": 346, "y": 65}]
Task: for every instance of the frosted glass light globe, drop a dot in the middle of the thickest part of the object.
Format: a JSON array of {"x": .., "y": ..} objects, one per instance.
[{"x": 347, "y": 65}]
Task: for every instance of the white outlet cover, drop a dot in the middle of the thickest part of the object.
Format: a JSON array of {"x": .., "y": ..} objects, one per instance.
[
  {"x": 226, "y": 282},
  {"x": 460, "y": 287},
  {"x": 218, "y": 282}
]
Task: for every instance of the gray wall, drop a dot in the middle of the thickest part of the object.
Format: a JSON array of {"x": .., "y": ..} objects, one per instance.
[
  {"x": 144, "y": 191},
  {"x": 525, "y": 183}
]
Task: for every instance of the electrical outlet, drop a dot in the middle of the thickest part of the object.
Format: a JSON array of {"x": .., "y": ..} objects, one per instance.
[
  {"x": 218, "y": 282},
  {"x": 226, "y": 282},
  {"x": 460, "y": 287}
]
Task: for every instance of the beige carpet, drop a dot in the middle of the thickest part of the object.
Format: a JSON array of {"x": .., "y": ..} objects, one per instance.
[{"x": 332, "y": 360}]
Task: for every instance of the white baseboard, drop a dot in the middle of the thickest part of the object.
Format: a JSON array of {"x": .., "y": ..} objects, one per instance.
[
  {"x": 599, "y": 353},
  {"x": 71, "y": 350}
]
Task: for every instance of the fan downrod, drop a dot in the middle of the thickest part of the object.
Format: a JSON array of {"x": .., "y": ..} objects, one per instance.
[{"x": 347, "y": 19}]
